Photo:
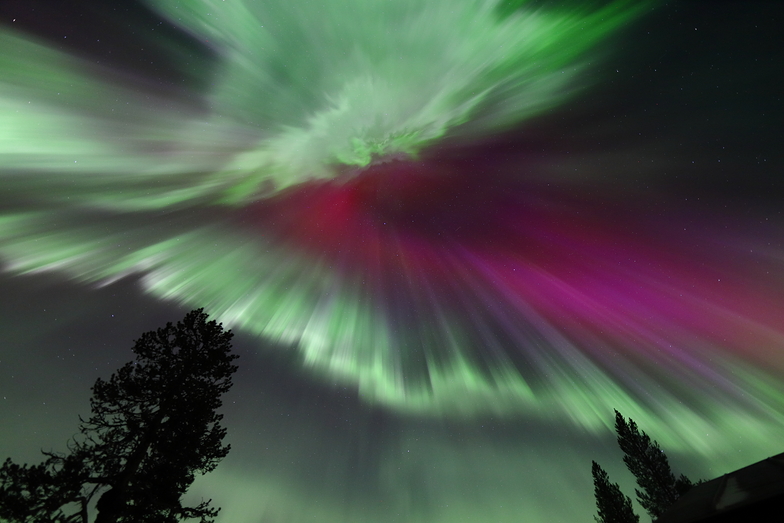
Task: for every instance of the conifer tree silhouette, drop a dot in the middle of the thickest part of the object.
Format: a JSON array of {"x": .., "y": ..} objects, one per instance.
[
  {"x": 153, "y": 427},
  {"x": 611, "y": 504},
  {"x": 650, "y": 467}
]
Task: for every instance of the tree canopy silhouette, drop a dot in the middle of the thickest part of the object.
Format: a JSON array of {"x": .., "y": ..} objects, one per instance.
[
  {"x": 650, "y": 467},
  {"x": 153, "y": 427},
  {"x": 611, "y": 504}
]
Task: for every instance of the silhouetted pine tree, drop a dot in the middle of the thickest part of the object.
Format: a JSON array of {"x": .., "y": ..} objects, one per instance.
[
  {"x": 649, "y": 465},
  {"x": 611, "y": 504},
  {"x": 153, "y": 427}
]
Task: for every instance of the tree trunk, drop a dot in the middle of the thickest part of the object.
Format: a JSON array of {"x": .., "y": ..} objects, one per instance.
[{"x": 112, "y": 503}]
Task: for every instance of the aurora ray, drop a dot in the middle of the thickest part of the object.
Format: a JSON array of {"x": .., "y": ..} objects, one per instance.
[{"x": 327, "y": 192}]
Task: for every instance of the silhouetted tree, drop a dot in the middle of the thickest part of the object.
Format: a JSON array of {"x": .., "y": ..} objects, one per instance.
[
  {"x": 649, "y": 465},
  {"x": 153, "y": 428},
  {"x": 611, "y": 504}
]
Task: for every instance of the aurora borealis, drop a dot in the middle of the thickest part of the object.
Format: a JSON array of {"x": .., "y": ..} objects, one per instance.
[{"x": 452, "y": 237}]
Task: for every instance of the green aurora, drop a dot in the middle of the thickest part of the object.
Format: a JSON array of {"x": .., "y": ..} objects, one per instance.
[{"x": 390, "y": 372}]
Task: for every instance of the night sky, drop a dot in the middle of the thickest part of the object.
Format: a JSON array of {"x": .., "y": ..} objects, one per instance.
[{"x": 450, "y": 237}]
